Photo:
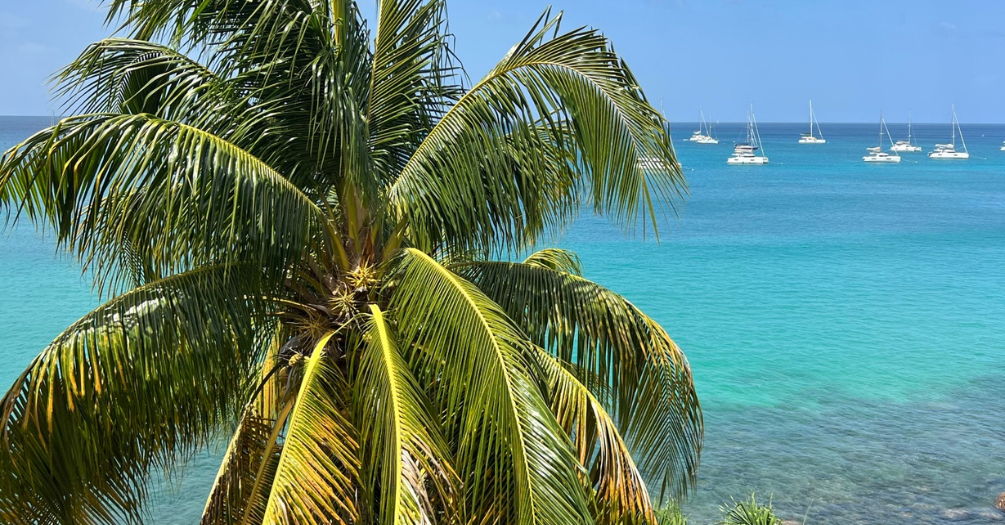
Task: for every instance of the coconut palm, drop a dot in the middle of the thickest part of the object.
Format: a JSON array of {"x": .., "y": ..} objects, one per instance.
[{"x": 293, "y": 222}]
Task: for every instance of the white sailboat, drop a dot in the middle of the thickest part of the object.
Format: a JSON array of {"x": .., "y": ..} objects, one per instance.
[
  {"x": 948, "y": 151},
  {"x": 810, "y": 138},
  {"x": 907, "y": 146},
  {"x": 1003, "y": 146},
  {"x": 746, "y": 153},
  {"x": 876, "y": 154},
  {"x": 703, "y": 135}
]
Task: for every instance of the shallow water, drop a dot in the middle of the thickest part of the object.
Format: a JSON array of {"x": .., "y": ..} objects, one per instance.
[{"x": 845, "y": 323}]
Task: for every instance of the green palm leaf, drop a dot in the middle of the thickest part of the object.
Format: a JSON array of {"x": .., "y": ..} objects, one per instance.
[
  {"x": 628, "y": 357},
  {"x": 316, "y": 478},
  {"x": 592, "y": 109},
  {"x": 101, "y": 180},
  {"x": 519, "y": 462},
  {"x": 622, "y": 496},
  {"x": 135, "y": 384},
  {"x": 404, "y": 452}
]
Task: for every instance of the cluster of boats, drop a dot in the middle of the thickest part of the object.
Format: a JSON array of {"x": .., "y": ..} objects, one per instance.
[{"x": 751, "y": 150}]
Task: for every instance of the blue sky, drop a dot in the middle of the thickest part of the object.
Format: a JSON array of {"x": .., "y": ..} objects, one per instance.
[{"x": 853, "y": 58}]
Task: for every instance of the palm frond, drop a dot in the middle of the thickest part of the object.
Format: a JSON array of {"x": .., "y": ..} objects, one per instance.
[
  {"x": 556, "y": 259},
  {"x": 317, "y": 478},
  {"x": 240, "y": 491},
  {"x": 517, "y": 462},
  {"x": 563, "y": 92},
  {"x": 406, "y": 461},
  {"x": 176, "y": 196},
  {"x": 411, "y": 88},
  {"x": 144, "y": 379},
  {"x": 642, "y": 374},
  {"x": 621, "y": 494}
]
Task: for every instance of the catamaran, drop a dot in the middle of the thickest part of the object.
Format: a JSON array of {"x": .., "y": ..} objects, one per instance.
[
  {"x": 907, "y": 146},
  {"x": 948, "y": 151},
  {"x": 810, "y": 138},
  {"x": 876, "y": 154},
  {"x": 704, "y": 133},
  {"x": 747, "y": 152}
]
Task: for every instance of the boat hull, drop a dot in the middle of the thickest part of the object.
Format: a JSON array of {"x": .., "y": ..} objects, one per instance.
[
  {"x": 812, "y": 141},
  {"x": 891, "y": 159},
  {"x": 906, "y": 149},
  {"x": 750, "y": 161},
  {"x": 949, "y": 156}
]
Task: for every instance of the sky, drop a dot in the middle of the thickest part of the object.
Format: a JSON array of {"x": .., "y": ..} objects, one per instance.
[{"x": 852, "y": 58}]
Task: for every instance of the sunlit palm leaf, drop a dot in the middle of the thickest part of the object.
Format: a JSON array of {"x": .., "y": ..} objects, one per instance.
[
  {"x": 317, "y": 476},
  {"x": 643, "y": 375},
  {"x": 517, "y": 461},
  {"x": 593, "y": 109},
  {"x": 133, "y": 385},
  {"x": 403, "y": 452},
  {"x": 621, "y": 494},
  {"x": 177, "y": 196}
]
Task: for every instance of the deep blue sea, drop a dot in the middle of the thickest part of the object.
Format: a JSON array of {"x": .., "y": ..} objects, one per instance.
[{"x": 845, "y": 323}]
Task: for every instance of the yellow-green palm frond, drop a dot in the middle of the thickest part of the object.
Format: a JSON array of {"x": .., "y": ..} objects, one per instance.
[
  {"x": 134, "y": 385},
  {"x": 175, "y": 195},
  {"x": 516, "y": 463},
  {"x": 630, "y": 361},
  {"x": 553, "y": 91},
  {"x": 407, "y": 464},
  {"x": 317, "y": 478},
  {"x": 621, "y": 496}
]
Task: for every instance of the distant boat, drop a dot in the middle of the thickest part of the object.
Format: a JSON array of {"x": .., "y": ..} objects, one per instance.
[
  {"x": 876, "y": 154},
  {"x": 704, "y": 133},
  {"x": 810, "y": 138},
  {"x": 1003, "y": 146},
  {"x": 747, "y": 152},
  {"x": 948, "y": 151},
  {"x": 908, "y": 145}
]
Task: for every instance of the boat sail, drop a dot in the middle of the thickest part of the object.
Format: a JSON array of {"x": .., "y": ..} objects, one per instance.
[
  {"x": 948, "y": 151},
  {"x": 810, "y": 138},
  {"x": 704, "y": 133},
  {"x": 747, "y": 152},
  {"x": 907, "y": 146},
  {"x": 876, "y": 154}
]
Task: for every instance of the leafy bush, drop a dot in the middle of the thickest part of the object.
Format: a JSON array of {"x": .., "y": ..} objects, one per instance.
[
  {"x": 670, "y": 514},
  {"x": 748, "y": 512}
]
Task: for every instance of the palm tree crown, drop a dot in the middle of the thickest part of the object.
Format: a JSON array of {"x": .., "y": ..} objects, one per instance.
[{"x": 294, "y": 226}]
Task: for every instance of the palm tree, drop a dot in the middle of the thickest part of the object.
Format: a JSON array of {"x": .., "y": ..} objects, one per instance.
[{"x": 293, "y": 226}]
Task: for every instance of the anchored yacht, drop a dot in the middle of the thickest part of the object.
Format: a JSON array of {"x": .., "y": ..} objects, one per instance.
[
  {"x": 907, "y": 146},
  {"x": 747, "y": 152},
  {"x": 948, "y": 151},
  {"x": 810, "y": 138},
  {"x": 703, "y": 135},
  {"x": 876, "y": 154}
]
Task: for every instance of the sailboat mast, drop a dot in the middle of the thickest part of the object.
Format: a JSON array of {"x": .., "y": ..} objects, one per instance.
[
  {"x": 953, "y": 142},
  {"x": 811, "y": 118}
]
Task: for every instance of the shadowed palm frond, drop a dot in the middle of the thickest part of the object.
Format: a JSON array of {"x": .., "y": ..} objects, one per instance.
[
  {"x": 139, "y": 382},
  {"x": 643, "y": 376},
  {"x": 519, "y": 463}
]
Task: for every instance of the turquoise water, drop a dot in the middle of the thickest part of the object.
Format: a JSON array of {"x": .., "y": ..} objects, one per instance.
[{"x": 845, "y": 323}]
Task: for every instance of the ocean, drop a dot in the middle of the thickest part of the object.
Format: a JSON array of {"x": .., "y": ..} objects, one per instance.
[{"x": 845, "y": 323}]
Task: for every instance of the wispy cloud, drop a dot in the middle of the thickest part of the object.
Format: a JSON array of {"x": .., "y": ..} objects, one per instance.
[{"x": 948, "y": 27}]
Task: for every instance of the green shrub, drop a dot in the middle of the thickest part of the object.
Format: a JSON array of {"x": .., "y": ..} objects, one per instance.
[
  {"x": 748, "y": 512},
  {"x": 670, "y": 514}
]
